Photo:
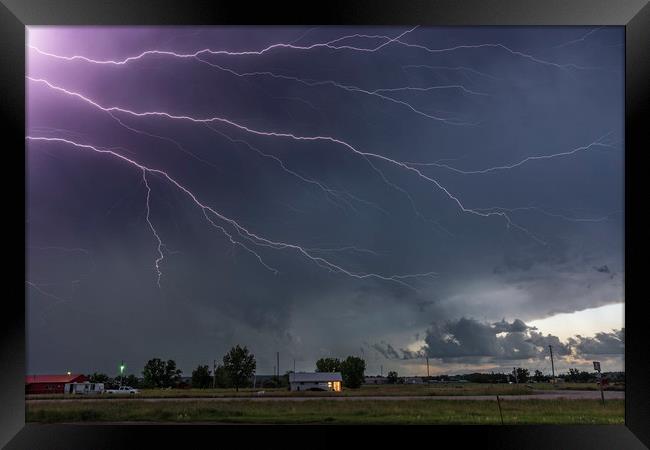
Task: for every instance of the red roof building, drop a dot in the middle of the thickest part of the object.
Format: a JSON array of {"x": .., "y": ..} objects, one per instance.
[{"x": 50, "y": 384}]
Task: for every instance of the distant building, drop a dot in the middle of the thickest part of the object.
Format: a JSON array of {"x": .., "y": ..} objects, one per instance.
[
  {"x": 50, "y": 384},
  {"x": 413, "y": 380},
  {"x": 375, "y": 380},
  {"x": 85, "y": 388},
  {"x": 324, "y": 381}
]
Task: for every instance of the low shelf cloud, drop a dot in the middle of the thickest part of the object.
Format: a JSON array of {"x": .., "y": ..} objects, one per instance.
[{"x": 470, "y": 340}]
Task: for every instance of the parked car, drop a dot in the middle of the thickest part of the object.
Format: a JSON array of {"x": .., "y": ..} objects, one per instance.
[{"x": 122, "y": 390}]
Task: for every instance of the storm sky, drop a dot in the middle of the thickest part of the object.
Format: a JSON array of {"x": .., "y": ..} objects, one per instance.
[{"x": 391, "y": 193}]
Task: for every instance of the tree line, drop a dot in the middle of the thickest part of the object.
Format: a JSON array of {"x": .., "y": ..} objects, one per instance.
[
  {"x": 518, "y": 375},
  {"x": 238, "y": 366},
  {"x": 236, "y": 371}
]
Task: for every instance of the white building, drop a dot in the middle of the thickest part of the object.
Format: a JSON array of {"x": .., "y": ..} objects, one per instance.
[
  {"x": 84, "y": 388},
  {"x": 322, "y": 381}
]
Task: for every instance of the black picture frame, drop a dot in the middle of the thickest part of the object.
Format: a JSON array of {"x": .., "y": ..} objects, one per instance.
[{"x": 634, "y": 15}]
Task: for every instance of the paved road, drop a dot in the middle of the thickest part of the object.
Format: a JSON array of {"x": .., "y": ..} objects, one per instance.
[{"x": 536, "y": 395}]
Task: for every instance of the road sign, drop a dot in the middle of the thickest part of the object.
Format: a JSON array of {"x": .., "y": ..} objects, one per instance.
[{"x": 597, "y": 366}]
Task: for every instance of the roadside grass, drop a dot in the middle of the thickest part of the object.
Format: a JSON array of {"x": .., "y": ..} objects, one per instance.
[
  {"x": 577, "y": 386},
  {"x": 366, "y": 390},
  {"x": 338, "y": 412}
]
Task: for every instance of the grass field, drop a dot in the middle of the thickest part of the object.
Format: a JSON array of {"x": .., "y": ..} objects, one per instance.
[
  {"x": 578, "y": 386},
  {"x": 335, "y": 412},
  {"x": 366, "y": 390}
]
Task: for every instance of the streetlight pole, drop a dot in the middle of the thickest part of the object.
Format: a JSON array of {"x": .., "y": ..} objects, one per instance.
[{"x": 121, "y": 373}]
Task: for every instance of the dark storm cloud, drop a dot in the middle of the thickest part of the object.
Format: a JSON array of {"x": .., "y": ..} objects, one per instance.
[
  {"x": 468, "y": 340},
  {"x": 377, "y": 218},
  {"x": 602, "y": 269},
  {"x": 471, "y": 338},
  {"x": 412, "y": 354},
  {"x": 386, "y": 350},
  {"x": 517, "y": 326},
  {"x": 559, "y": 347},
  {"x": 603, "y": 343}
]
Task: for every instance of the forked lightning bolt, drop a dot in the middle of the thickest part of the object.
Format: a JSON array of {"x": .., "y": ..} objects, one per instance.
[
  {"x": 397, "y": 40},
  {"x": 279, "y": 134},
  {"x": 597, "y": 143},
  {"x": 210, "y": 212}
]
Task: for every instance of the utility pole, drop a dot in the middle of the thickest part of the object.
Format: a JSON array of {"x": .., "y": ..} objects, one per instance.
[
  {"x": 600, "y": 380},
  {"x": 214, "y": 374},
  {"x": 514, "y": 371},
  {"x": 428, "y": 367},
  {"x": 278, "y": 361},
  {"x": 500, "y": 413},
  {"x": 550, "y": 348}
]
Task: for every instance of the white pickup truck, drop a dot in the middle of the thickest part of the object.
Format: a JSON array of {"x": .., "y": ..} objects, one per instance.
[{"x": 122, "y": 390}]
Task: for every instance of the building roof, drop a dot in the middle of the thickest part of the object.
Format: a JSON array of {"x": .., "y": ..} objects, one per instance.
[
  {"x": 314, "y": 377},
  {"x": 30, "y": 379}
]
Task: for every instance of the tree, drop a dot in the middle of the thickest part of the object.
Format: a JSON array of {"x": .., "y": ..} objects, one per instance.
[
  {"x": 201, "y": 377},
  {"x": 222, "y": 380},
  {"x": 132, "y": 381},
  {"x": 577, "y": 376},
  {"x": 352, "y": 371},
  {"x": 539, "y": 376},
  {"x": 98, "y": 378},
  {"x": 522, "y": 375},
  {"x": 328, "y": 365},
  {"x": 392, "y": 377},
  {"x": 491, "y": 377},
  {"x": 573, "y": 375},
  {"x": 157, "y": 373},
  {"x": 172, "y": 374},
  {"x": 154, "y": 372},
  {"x": 239, "y": 366}
]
